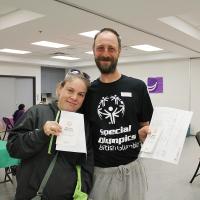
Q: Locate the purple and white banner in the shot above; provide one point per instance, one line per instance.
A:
(155, 84)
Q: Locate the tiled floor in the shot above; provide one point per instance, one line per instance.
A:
(166, 181)
(171, 182)
(7, 189)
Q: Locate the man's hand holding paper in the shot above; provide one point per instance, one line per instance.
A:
(168, 132)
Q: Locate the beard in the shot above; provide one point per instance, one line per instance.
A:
(106, 68)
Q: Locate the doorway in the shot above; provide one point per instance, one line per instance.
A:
(15, 90)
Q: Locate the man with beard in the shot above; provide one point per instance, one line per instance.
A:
(119, 109)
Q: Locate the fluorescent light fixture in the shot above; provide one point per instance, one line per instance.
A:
(90, 34)
(146, 47)
(17, 17)
(65, 58)
(50, 44)
(181, 25)
(14, 51)
(89, 52)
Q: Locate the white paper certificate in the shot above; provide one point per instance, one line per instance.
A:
(168, 132)
(72, 137)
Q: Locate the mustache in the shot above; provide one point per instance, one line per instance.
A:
(102, 58)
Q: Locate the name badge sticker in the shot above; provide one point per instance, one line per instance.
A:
(126, 94)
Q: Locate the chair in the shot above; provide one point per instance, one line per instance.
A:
(9, 125)
(7, 162)
(197, 173)
(7, 177)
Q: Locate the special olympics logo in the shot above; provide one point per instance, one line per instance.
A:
(69, 123)
(155, 84)
(110, 108)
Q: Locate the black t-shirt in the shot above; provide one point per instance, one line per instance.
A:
(115, 110)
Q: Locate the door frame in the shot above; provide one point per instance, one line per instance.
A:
(29, 77)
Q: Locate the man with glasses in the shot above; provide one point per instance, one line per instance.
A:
(119, 109)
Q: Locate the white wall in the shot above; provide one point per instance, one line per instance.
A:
(180, 83)
(23, 70)
(175, 81)
(195, 94)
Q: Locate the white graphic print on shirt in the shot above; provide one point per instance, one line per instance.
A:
(110, 108)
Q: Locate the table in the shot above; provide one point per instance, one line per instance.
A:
(6, 161)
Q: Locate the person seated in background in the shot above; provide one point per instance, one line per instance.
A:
(18, 113)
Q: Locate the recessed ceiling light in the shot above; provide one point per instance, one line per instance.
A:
(181, 25)
(65, 58)
(89, 52)
(90, 34)
(146, 47)
(17, 17)
(49, 44)
(14, 51)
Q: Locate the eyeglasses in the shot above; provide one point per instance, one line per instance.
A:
(76, 71)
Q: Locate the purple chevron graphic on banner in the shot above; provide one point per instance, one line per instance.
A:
(155, 84)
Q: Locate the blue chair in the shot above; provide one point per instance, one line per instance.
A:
(197, 173)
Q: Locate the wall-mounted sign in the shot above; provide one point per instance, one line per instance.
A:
(155, 84)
